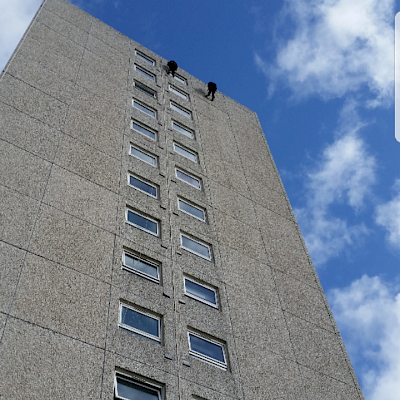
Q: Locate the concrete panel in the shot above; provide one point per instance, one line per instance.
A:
(72, 242)
(318, 349)
(17, 217)
(193, 225)
(42, 364)
(31, 101)
(22, 171)
(302, 300)
(194, 391)
(28, 133)
(107, 52)
(62, 300)
(10, 265)
(3, 319)
(89, 163)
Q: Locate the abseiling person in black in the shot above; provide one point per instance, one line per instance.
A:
(172, 66)
(212, 88)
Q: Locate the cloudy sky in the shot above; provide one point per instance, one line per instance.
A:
(319, 73)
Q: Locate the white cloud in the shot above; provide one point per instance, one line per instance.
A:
(368, 315)
(338, 47)
(388, 215)
(15, 17)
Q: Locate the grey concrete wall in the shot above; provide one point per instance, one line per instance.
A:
(66, 109)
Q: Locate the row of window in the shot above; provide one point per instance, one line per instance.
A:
(152, 93)
(151, 112)
(152, 134)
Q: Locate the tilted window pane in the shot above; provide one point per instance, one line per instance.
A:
(201, 292)
(132, 391)
(142, 222)
(207, 348)
(145, 89)
(144, 109)
(144, 131)
(141, 266)
(188, 179)
(144, 58)
(143, 186)
(178, 92)
(180, 110)
(144, 156)
(180, 79)
(183, 130)
(196, 212)
(185, 153)
(144, 73)
(196, 247)
(140, 322)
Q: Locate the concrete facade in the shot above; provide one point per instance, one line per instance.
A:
(65, 134)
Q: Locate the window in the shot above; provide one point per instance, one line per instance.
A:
(144, 58)
(179, 93)
(141, 322)
(144, 130)
(143, 267)
(145, 89)
(145, 223)
(143, 155)
(201, 292)
(185, 131)
(191, 155)
(180, 110)
(194, 211)
(145, 73)
(144, 109)
(207, 349)
(127, 388)
(185, 177)
(143, 186)
(180, 79)
(196, 247)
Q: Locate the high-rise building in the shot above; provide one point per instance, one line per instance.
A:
(147, 246)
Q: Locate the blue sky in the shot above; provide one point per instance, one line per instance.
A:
(319, 74)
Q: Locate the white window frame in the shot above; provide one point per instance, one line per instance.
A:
(180, 79)
(145, 89)
(144, 260)
(143, 216)
(209, 258)
(146, 128)
(180, 110)
(144, 152)
(143, 57)
(205, 358)
(143, 72)
(216, 305)
(130, 174)
(135, 330)
(190, 133)
(192, 176)
(194, 206)
(193, 153)
(134, 380)
(178, 92)
(146, 107)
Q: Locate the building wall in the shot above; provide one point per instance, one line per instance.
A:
(65, 133)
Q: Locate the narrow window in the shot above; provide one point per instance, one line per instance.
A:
(145, 89)
(180, 79)
(180, 110)
(196, 247)
(144, 130)
(191, 155)
(145, 73)
(145, 223)
(201, 292)
(185, 131)
(145, 268)
(194, 211)
(144, 58)
(207, 349)
(144, 109)
(185, 177)
(143, 155)
(141, 322)
(142, 186)
(127, 388)
(178, 92)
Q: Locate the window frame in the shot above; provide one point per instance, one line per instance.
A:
(184, 148)
(155, 264)
(200, 299)
(144, 152)
(134, 101)
(143, 72)
(183, 111)
(145, 58)
(178, 92)
(145, 89)
(133, 121)
(137, 382)
(192, 205)
(136, 330)
(144, 181)
(205, 358)
(199, 241)
(192, 176)
(190, 134)
(180, 79)
(143, 216)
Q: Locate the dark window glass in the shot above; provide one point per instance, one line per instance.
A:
(196, 247)
(196, 212)
(207, 348)
(142, 222)
(141, 266)
(201, 292)
(144, 73)
(140, 322)
(132, 391)
(145, 89)
(143, 186)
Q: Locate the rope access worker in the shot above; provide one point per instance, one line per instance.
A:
(172, 66)
(212, 88)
